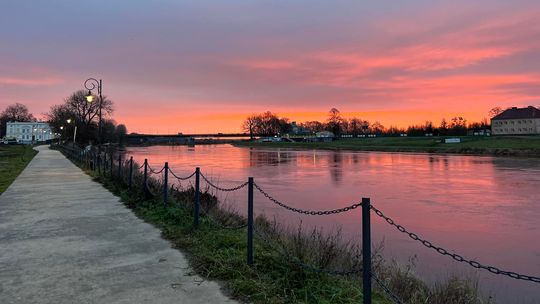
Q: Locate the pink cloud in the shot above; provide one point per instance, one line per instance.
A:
(30, 81)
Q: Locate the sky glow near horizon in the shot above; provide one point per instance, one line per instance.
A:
(202, 66)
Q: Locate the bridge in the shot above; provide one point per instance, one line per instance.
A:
(204, 135)
(186, 139)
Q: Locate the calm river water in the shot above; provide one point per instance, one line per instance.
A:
(484, 208)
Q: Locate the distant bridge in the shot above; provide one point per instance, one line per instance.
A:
(186, 138)
(205, 135)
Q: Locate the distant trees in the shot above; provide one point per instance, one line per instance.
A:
(266, 123)
(334, 122)
(120, 131)
(377, 128)
(14, 112)
(269, 123)
(313, 126)
(356, 126)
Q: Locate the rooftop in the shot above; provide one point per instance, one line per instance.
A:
(518, 113)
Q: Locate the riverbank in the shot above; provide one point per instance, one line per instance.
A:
(525, 146)
(218, 252)
(13, 160)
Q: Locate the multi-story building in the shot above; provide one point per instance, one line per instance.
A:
(29, 132)
(517, 121)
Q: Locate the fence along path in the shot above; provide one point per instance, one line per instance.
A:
(367, 273)
(66, 239)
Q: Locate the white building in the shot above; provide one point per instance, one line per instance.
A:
(516, 121)
(29, 132)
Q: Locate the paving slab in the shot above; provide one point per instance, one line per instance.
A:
(66, 239)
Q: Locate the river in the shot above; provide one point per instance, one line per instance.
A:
(484, 208)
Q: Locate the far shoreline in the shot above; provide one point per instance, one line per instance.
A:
(484, 146)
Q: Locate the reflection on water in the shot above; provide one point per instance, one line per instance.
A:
(485, 208)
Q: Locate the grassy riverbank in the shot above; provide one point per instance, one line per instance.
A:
(13, 160)
(220, 254)
(500, 146)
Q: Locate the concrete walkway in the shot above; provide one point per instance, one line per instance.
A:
(66, 239)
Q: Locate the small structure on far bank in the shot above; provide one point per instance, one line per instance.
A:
(517, 121)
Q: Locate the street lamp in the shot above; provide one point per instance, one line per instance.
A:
(69, 120)
(91, 84)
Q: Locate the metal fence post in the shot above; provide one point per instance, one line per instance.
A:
(197, 198)
(250, 223)
(366, 251)
(98, 163)
(130, 182)
(165, 183)
(145, 189)
(111, 168)
(119, 166)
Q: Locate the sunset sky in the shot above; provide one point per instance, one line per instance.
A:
(201, 66)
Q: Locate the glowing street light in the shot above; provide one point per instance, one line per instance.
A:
(89, 96)
(90, 84)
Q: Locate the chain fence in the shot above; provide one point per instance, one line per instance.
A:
(182, 178)
(308, 212)
(150, 170)
(454, 256)
(221, 188)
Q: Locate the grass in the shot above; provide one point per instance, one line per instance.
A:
(496, 145)
(276, 277)
(13, 160)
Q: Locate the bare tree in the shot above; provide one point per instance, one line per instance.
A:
(495, 111)
(14, 112)
(335, 121)
(83, 114)
(251, 124)
(377, 127)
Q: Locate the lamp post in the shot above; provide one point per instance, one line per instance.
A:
(69, 120)
(91, 84)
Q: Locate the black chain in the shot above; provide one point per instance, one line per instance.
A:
(305, 266)
(309, 212)
(182, 178)
(154, 171)
(223, 189)
(455, 256)
(386, 290)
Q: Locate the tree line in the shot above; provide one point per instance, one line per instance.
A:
(75, 111)
(270, 124)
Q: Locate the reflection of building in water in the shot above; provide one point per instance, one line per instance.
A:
(258, 158)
